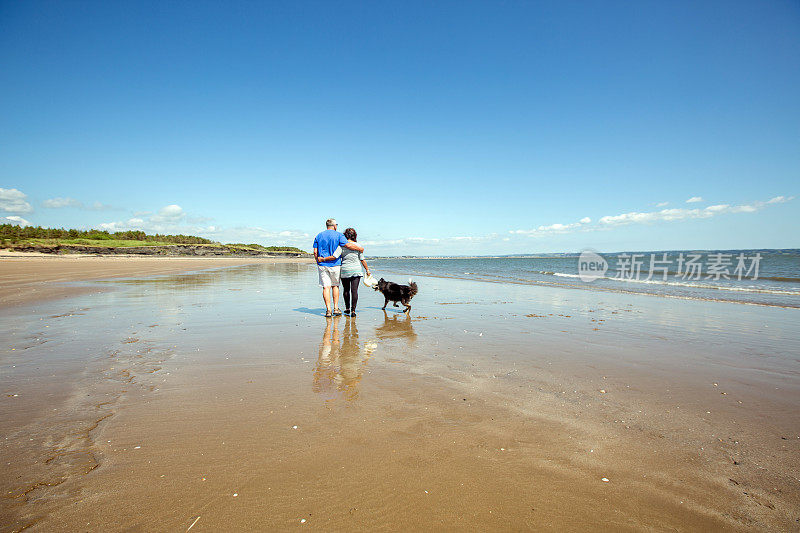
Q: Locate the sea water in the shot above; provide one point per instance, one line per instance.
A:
(776, 282)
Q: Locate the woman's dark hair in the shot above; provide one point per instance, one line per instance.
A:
(350, 234)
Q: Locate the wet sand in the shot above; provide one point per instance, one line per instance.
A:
(27, 277)
(223, 400)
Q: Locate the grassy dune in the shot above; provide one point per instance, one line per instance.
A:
(15, 237)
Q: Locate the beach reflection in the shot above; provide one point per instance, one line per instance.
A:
(396, 325)
(341, 360)
(281, 276)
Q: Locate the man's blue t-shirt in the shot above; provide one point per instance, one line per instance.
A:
(326, 243)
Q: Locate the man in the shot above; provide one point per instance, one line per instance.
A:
(329, 263)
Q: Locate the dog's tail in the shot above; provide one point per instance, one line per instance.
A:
(413, 287)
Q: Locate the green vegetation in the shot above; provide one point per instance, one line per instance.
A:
(95, 242)
(12, 235)
(268, 248)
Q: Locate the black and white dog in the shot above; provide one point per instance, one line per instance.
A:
(397, 293)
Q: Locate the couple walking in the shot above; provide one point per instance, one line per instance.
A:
(339, 259)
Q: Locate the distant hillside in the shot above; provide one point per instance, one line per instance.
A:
(59, 240)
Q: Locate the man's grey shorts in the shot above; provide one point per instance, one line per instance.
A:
(329, 276)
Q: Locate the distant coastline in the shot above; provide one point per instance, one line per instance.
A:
(96, 242)
(168, 250)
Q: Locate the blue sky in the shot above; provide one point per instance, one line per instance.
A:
(431, 127)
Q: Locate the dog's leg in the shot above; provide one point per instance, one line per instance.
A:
(384, 303)
(408, 307)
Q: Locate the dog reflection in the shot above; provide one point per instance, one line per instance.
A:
(341, 360)
(396, 325)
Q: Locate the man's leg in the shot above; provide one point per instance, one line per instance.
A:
(335, 278)
(326, 297)
(335, 291)
(325, 283)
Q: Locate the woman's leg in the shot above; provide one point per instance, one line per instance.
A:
(354, 295)
(346, 291)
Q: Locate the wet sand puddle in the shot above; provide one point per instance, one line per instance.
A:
(507, 408)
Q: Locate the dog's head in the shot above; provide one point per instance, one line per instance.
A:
(382, 283)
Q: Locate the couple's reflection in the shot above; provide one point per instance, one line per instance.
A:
(341, 360)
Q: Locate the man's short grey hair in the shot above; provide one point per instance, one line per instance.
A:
(331, 222)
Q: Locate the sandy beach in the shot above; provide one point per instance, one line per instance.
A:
(211, 394)
(27, 277)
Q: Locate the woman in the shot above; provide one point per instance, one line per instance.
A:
(351, 273)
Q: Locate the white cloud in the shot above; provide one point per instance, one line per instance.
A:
(14, 201)
(148, 226)
(170, 214)
(172, 219)
(429, 241)
(249, 234)
(557, 228)
(97, 206)
(422, 240)
(390, 242)
(13, 219)
(58, 203)
(694, 199)
(133, 223)
(662, 204)
(649, 217)
(780, 200)
(552, 229)
(669, 215)
(168, 219)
